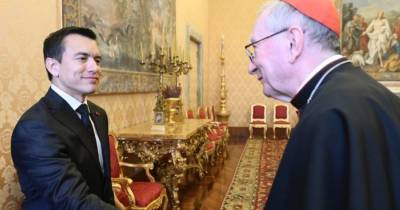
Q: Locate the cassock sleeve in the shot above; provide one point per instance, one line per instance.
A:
(312, 174)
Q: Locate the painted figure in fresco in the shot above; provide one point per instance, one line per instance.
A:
(344, 151)
(348, 11)
(379, 33)
(357, 58)
(393, 46)
(363, 40)
(396, 26)
(392, 64)
(60, 145)
(393, 55)
(108, 19)
(352, 32)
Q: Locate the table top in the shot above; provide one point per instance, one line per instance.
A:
(147, 131)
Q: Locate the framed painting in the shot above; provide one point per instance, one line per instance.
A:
(126, 29)
(371, 36)
(159, 118)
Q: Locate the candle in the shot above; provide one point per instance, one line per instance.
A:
(222, 45)
(162, 36)
(141, 52)
(174, 48)
(153, 47)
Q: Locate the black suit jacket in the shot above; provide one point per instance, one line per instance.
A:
(56, 158)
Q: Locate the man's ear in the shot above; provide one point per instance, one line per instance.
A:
(296, 43)
(53, 66)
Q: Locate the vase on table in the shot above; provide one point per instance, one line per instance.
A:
(170, 105)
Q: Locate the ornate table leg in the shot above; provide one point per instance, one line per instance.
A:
(171, 174)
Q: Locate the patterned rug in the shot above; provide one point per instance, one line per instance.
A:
(254, 175)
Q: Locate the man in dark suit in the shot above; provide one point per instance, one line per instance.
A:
(60, 145)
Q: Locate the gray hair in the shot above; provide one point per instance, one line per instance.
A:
(282, 15)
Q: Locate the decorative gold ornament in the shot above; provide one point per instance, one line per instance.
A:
(165, 61)
(223, 114)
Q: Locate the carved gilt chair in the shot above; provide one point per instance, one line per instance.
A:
(281, 119)
(222, 130)
(134, 195)
(258, 119)
(216, 132)
(202, 112)
(190, 114)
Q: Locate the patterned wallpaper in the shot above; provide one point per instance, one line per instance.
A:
(23, 79)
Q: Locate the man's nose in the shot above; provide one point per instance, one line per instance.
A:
(252, 68)
(93, 65)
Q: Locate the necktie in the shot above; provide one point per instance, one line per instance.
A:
(83, 110)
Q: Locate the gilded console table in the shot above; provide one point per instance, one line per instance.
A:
(173, 151)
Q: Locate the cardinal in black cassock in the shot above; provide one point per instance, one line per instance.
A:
(344, 153)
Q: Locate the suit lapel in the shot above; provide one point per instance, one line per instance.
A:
(63, 112)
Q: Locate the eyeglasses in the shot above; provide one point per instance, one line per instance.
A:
(250, 51)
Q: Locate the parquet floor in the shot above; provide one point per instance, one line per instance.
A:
(203, 196)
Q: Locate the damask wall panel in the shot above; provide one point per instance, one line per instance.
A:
(22, 77)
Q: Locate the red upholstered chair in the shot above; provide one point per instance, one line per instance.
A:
(220, 127)
(210, 148)
(222, 130)
(258, 119)
(215, 137)
(190, 114)
(129, 194)
(281, 118)
(202, 112)
(215, 133)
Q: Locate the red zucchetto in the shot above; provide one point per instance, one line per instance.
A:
(323, 11)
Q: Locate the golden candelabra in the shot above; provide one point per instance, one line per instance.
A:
(163, 62)
(223, 114)
(183, 67)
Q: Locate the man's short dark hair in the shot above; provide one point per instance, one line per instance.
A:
(53, 46)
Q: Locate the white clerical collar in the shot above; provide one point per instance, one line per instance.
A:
(73, 102)
(319, 68)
